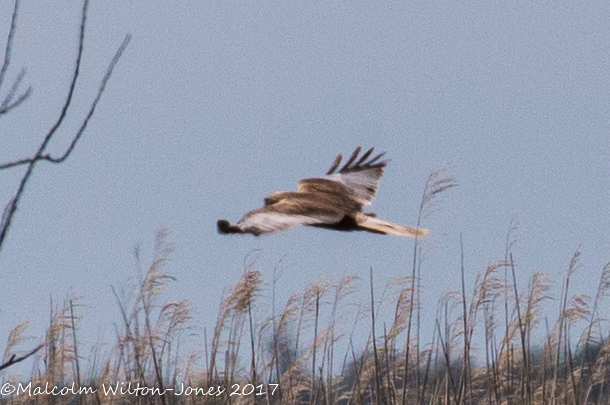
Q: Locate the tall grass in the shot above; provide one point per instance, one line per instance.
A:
(492, 343)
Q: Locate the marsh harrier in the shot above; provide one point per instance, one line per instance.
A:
(334, 201)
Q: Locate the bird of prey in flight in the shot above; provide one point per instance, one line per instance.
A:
(334, 201)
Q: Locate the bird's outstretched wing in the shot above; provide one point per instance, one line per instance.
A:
(283, 215)
(376, 225)
(264, 222)
(357, 180)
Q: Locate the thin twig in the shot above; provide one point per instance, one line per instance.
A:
(14, 360)
(7, 103)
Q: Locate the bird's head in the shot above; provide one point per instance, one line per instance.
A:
(225, 227)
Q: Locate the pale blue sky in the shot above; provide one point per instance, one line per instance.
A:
(216, 104)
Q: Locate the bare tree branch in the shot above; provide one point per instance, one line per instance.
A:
(83, 126)
(111, 66)
(9, 43)
(11, 207)
(15, 360)
(8, 104)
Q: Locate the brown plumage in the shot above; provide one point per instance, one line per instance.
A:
(334, 201)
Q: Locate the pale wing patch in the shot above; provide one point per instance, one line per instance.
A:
(359, 175)
(361, 184)
(269, 222)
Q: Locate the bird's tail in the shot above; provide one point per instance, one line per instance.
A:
(376, 225)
